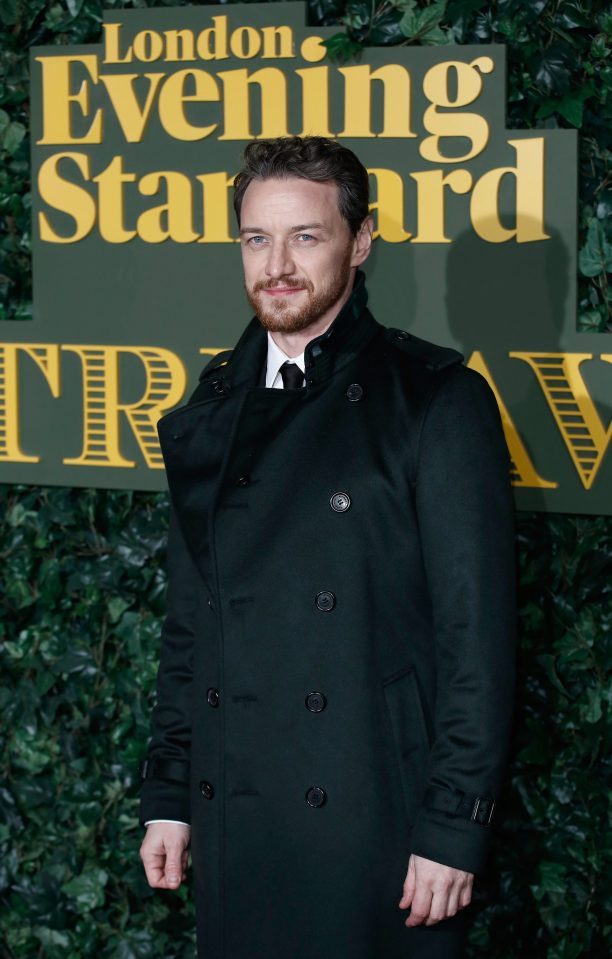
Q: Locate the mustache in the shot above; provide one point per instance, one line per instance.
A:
(290, 282)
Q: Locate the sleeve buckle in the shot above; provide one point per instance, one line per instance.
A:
(476, 808)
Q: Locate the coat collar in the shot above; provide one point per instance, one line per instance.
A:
(348, 333)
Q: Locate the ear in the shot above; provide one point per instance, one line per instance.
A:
(362, 243)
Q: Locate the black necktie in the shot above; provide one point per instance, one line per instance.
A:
(292, 376)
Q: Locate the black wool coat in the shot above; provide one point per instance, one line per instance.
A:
(336, 682)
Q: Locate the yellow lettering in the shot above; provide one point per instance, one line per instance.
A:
(57, 99)
(272, 49)
(46, 358)
(389, 205)
(180, 45)
(173, 97)
(472, 126)
(132, 118)
(358, 101)
(165, 386)
(148, 46)
(430, 201)
(110, 202)
(315, 101)
(176, 212)
(212, 42)
(568, 398)
(522, 470)
(67, 197)
(245, 43)
(312, 49)
(215, 207)
(112, 46)
(236, 105)
(529, 177)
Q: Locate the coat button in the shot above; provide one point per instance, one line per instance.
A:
(315, 796)
(325, 600)
(315, 702)
(402, 335)
(210, 604)
(340, 502)
(355, 392)
(212, 695)
(243, 480)
(218, 386)
(207, 789)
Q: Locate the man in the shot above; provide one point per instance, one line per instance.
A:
(336, 681)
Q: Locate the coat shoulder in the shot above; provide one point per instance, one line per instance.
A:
(219, 359)
(432, 355)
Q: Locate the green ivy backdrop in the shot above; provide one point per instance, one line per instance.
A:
(82, 585)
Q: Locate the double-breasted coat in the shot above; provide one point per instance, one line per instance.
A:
(336, 682)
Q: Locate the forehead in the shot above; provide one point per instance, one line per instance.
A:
(290, 201)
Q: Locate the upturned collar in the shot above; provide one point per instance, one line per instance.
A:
(348, 333)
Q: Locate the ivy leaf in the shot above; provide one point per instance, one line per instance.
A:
(591, 710)
(51, 937)
(552, 74)
(595, 257)
(552, 876)
(424, 24)
(87, 890)
(385, 29)
(341, 47)
(74, 6)
(13, 135)
(570, 107)
(571, 16)
(8, 12)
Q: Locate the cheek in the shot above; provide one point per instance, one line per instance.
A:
(249, 267)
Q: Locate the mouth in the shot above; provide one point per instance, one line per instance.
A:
(283, 291)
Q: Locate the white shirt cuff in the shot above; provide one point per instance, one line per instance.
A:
(177, 821)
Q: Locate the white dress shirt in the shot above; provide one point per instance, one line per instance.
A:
(276, 358)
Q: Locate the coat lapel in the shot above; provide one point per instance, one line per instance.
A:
(214, 438)
(196, 441)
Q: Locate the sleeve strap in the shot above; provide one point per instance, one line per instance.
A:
(175, 770)
(457, 803)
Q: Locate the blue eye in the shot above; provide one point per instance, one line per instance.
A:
(308, 236)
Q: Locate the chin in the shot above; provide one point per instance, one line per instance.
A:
(285, 323)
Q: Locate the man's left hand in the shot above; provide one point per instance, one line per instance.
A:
(434, 891)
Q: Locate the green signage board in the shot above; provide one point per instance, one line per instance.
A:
(137, 272)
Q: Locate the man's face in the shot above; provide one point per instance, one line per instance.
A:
(298, 253)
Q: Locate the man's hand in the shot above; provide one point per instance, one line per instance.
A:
(164, 854)
(434, 891)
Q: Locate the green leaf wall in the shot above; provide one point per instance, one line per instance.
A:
(83, 580)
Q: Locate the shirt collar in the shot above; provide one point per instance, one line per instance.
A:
(276, 358)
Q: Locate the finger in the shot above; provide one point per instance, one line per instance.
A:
(421, 905)
(466, 896)
(154, 868)
(409, 885)
(453, 900)
(174, 868)
(439, 905)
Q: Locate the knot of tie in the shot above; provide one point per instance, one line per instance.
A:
(292, 376)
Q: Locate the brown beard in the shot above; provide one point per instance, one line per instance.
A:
(279, 317)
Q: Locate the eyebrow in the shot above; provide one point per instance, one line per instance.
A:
(293, 229)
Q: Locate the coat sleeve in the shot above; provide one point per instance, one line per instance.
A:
(165, 790)
(466, 521)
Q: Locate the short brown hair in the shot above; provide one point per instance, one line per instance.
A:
(308, 158)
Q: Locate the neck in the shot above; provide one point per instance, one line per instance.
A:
(293, 344)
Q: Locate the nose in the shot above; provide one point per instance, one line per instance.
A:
(279, 262)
